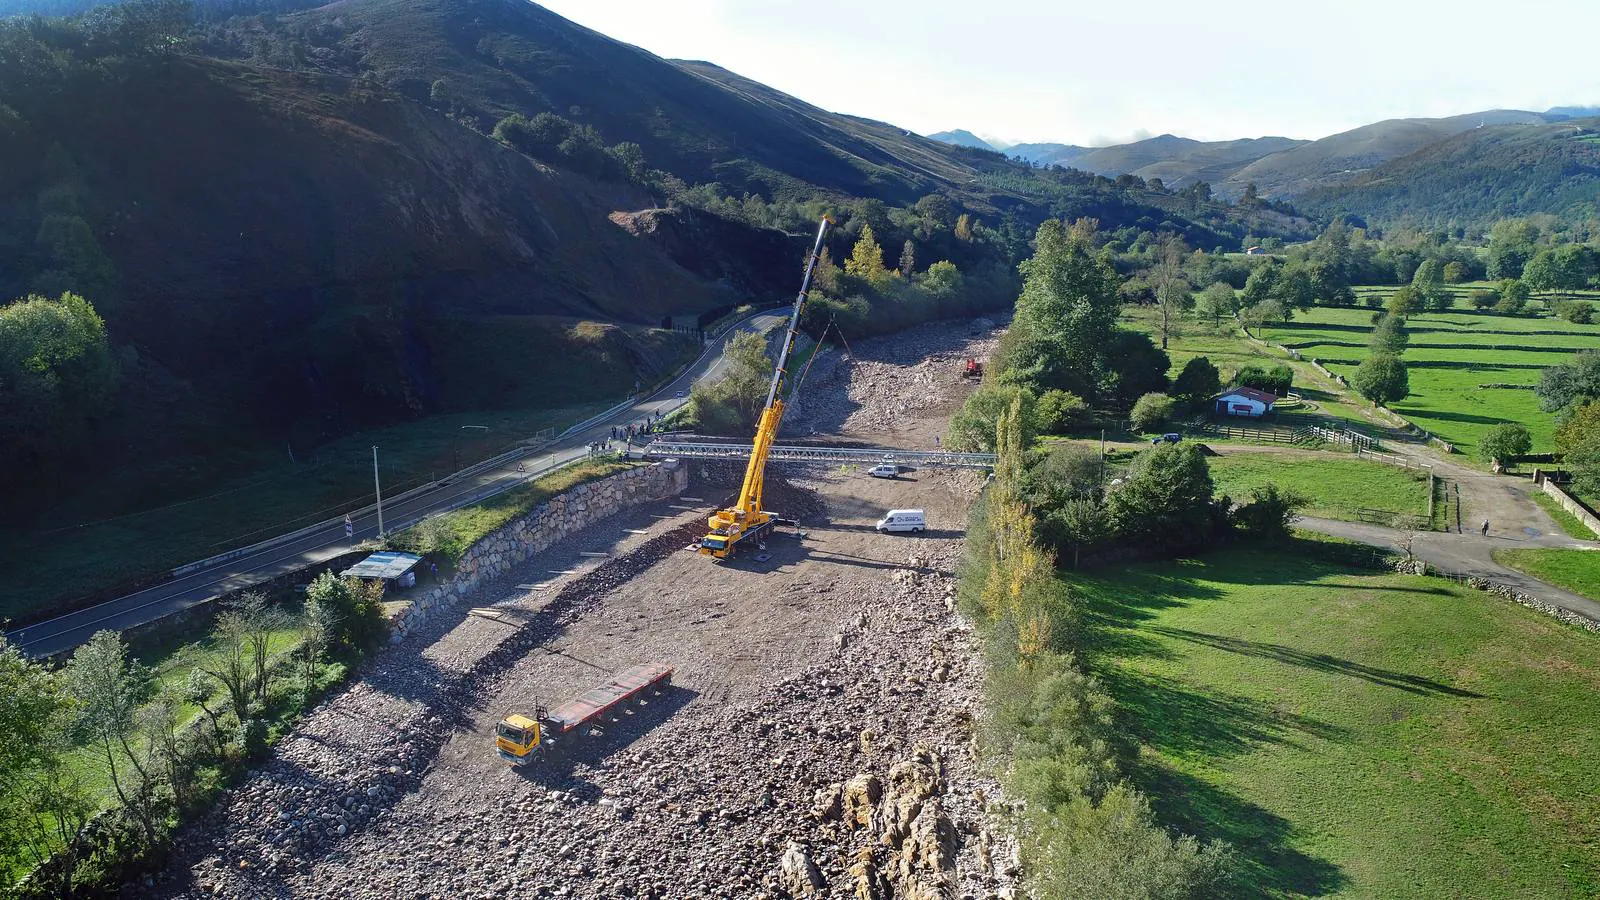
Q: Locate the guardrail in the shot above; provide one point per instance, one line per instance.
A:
(921, 458)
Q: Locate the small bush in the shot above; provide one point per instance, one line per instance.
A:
(1061, 411)
(1270, 513)
(1151, 412)
(355, 607)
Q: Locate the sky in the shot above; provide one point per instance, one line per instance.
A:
(1108, 72)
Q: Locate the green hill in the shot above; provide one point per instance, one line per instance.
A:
(1478, 177)
(1337, 158)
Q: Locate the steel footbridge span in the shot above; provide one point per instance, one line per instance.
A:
(921, 459)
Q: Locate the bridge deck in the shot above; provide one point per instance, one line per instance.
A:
(919, 458)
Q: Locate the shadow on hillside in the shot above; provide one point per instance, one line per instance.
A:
(1451, 416)
(1320, 662)
(1267, 864)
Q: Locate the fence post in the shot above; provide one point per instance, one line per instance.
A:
(1431, 489)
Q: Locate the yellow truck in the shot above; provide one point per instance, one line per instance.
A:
(517, 736)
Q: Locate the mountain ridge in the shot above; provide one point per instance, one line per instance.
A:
(1277, 166)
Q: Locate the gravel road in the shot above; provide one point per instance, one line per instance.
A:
(816, 739)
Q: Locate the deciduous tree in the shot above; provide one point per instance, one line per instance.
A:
(108, 687)
(1382, 378)
(1505, 442)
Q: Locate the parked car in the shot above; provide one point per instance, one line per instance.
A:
(884, 470)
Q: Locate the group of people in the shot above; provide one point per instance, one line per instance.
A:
(651, 424)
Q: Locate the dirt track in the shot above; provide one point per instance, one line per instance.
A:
(817, 736)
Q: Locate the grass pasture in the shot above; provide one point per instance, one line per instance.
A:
(1453, 359)
(1339, 487)
(1351, 733)
(1576, 570)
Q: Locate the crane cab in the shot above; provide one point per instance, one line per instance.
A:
(516, 737)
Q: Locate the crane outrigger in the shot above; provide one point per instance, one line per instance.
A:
(746, 524)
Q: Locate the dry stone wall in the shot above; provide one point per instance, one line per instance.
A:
(537, 530)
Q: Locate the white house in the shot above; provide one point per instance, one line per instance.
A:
(1244, 401)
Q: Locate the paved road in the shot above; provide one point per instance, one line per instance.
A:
(1469, 554)
(328, 540)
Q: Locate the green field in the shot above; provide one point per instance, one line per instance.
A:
(1338, 487)
(1451, 357)
(1229, 351)
(1356, 734)
(1576, 570)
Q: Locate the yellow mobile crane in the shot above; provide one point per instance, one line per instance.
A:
(746, 524)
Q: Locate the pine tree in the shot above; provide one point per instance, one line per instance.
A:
(908, 259)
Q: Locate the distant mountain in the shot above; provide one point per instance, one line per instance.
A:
(1048, 154)
(1478, 176)
(962, 138)
(1342, 156)
(1572, 112)
(1180, 161)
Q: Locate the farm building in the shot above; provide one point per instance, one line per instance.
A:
(1245, 401)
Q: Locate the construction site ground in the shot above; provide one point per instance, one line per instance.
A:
(816, 738)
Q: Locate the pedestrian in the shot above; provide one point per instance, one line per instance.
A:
(1485, 527)
(936, 442)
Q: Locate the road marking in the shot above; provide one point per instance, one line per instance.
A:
(695, 499)
(671, 506)
(535, 587)
(563, 571)
(593, 553)
(637, 530)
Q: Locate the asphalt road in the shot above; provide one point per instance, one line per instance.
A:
(328, 540)
(1469, 554)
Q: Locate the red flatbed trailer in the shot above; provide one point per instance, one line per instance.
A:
(597, 702)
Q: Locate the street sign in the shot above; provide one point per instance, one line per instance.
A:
(349, 528)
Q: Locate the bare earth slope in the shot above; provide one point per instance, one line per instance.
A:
(818, 730)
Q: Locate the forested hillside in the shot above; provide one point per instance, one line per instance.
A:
(1478, 177)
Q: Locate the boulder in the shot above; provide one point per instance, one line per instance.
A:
(861, 795)
(798, 874)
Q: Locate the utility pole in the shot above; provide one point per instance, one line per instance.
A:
(377, 488)
(455, 453)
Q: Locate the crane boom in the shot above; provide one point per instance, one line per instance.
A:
(746, 520)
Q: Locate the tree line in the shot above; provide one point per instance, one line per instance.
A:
(168, 744)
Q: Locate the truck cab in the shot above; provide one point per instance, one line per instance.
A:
(516, 737)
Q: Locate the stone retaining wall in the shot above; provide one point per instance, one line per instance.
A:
(1568, 502)
(537, 530)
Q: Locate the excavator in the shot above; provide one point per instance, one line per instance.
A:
(746, 524)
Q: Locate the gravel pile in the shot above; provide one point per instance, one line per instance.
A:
(889, 380)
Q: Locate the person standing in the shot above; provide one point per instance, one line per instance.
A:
(1485, 527)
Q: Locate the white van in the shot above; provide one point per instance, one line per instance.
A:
(903, 520)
